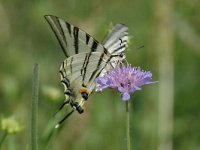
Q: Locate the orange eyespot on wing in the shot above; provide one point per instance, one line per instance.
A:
(84, 90)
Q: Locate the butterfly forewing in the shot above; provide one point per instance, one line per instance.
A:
(72, 39)
(116, 41)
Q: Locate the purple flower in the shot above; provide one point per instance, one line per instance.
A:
(126, 79)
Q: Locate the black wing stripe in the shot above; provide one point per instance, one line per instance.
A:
(63, 67)
(62, 74)
(61, 31)
(119, 48)
(85, 60)
(105, 51)
(66, 83)
(105, 65)
(62, 70)
(68, 92)
(76, 40)
(85, 68)
(94, 46)
(87, 38)
(96, 73)
(97, 68)
(71, 64)
(69, 29)
(55, 26)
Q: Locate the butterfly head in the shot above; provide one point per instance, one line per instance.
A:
(122, 56)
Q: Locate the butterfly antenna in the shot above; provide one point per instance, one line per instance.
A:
(141, 46)
(61, 121)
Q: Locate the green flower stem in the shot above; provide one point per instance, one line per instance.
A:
(34, 118)
(128, 137)
(3, 138)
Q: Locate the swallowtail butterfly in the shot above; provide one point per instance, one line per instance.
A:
(86, 59)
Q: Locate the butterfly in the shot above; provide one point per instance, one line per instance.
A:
(86, 59)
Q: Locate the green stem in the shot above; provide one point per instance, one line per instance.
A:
(34, 138)
(3, 138)
(128, 137)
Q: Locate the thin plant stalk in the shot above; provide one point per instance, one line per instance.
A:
(128, 136)
(34, 118)
(3, 138)
(12, 143)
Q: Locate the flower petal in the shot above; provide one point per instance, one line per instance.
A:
(125, 96)
(101, 80)
(121, 89)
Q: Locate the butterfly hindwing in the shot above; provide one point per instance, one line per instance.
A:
(80, 71)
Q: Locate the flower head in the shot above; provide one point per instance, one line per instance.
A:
(10, 125)
(126, 79)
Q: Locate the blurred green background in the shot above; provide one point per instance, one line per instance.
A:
(164, 116)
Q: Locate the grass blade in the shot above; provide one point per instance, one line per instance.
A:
(34, 116)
